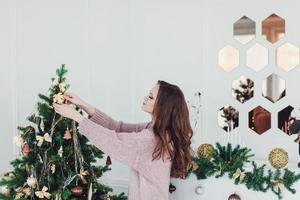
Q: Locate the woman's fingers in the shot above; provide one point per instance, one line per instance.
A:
(68, 96)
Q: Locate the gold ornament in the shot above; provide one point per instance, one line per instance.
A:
(55, 83)
(206, 151)
(27, 191)
(62, 87)
(77, 190)
(58, 98)
(193, 166)
(234, 197)
(41, 139)
(239, 173)
(278, 158)
(277, 186)
(82, 175)
(19, 195)
(43, 193)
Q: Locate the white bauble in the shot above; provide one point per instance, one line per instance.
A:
(199, 190)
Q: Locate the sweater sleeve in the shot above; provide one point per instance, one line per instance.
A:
(124, 147)
(104, 120)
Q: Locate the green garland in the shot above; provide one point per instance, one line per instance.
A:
(225, 159)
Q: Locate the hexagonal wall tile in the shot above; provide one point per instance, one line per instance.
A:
(259, 120)
(284, 119)
(257, 57)
(244, 30)
(229, 58)
(273, 28)
(273, 88)
(287, 56)
(228, 118)
(242, 89)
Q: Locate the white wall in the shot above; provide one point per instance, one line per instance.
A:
(116, 50)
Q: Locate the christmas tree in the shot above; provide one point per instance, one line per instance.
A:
(57, 162)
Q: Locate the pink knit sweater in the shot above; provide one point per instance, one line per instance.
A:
(133, 145)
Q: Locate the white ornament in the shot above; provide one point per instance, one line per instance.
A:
(58, 98)
(18, 140)
(53, 168)
(60, 151)
(42, 125)
(31, 181)
(199, 190)
(19, 195)
(27, 192)
(4, 190)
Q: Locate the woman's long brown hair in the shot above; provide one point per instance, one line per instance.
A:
(172, 128)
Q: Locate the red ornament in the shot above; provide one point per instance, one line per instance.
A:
(77, 190)
(67, 135)
(25, 149)
(234, 197)
(108, 160)
(172, 188)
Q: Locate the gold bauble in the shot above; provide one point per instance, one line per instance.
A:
(206, 151)
(278, 158)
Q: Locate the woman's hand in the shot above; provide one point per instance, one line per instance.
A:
(68, 111)
(73, 98)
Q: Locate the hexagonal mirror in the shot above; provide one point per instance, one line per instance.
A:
(242, 89)
(287, 56)
(294, 124)
(284, 119)
(229, 58)
(257, 57)
(244, 30)
(273, 28)
(259, 120)
(273, 88)
(228, 118)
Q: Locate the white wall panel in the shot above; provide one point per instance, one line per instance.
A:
(115, 52)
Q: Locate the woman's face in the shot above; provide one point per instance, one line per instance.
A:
(150, 99)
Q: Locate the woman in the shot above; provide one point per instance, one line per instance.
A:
(153, 150)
